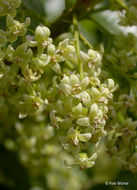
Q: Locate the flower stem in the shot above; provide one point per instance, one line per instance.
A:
(85, 41)
(77, 45)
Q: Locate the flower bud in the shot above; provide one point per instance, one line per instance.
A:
(95, 81)
(85, 137)
(69, 49)
(105, 109)
(42, 33)
(56, 67)
(84, 57)
(100, 114)
(65, 80)
(8, 7)
(71, 131)
(83, 121)
(93, 110)
(27, 22)
(23, 53)
(65, 88)
(93, 157)
(9, 53)
(83, 156)
(78, 109)
(105, 92)
(43, 60)
(22, 115)
(95, 92)
(63, 44)
(21, 50)
(85, 98)
(53, 117)
(74, 79)
(3, 37)
(84, 83)
(110, 84)
(51, 50)
(85, 162)
(94, 55)
(16, 28)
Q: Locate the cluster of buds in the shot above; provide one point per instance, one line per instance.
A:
(122, 136)
(122, 143)
(123, 53)
(43, 82)
(129, 16)
(9, 7)
(78, 106)
(41, 153)
(14, 30)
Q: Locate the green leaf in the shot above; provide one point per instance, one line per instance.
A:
(54, 9)
(109, 21)
(89, 30)
(36, 6)
(69, 3)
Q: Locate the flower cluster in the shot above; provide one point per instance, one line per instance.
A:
(121, 140)
(80, 111)
(9, 7)
(129, 15)
(43, 82)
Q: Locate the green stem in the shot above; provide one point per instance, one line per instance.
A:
(85, 41)
(122, 4)
(69, 65)
(30, 30)
(77, 45)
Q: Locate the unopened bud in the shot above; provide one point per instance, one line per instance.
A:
(93, 157)
(84, 57)
(63, 44)
(83, 121)
(84, 83)
(74, 80)
(94, 55)
(65, 88)
(110, 84)
(8, 7)
(95, 92)
(42, 33)
(100, 114)
(105, 92)
(70, 49)
(78, 109)
(56, 67)
(85, 137)
(85, 98)
(93, 110)
(51, 49)
(65, 80)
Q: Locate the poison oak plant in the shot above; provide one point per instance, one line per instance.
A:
(56, 103)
